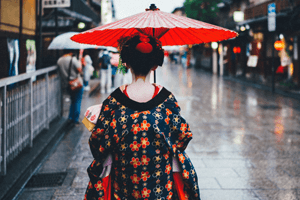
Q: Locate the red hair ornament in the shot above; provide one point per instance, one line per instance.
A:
(144, 46)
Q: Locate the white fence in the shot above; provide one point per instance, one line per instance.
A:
(26, 108)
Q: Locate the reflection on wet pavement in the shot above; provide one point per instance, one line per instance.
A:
(246, 142)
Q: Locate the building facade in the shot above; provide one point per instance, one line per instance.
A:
(20, 30)
(17, 36)
(81, 15)
(252, 54)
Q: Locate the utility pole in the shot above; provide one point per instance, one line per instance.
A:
(273, 67)
(40, 49)
(272, 28)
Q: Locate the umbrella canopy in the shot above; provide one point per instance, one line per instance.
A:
(170, 29)
(63, 41)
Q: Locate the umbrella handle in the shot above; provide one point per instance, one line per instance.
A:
(153, 30)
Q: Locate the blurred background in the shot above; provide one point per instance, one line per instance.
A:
(28, 27)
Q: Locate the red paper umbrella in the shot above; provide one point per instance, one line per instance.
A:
(170, 29)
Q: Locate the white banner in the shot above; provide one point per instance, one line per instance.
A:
(272, 17)
(252, 61)
(56, 3)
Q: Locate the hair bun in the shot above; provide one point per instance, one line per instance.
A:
(141, 52)
(144, 46)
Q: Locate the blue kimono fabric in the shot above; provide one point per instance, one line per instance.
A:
(142, 138)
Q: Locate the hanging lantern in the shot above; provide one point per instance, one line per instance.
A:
(236, 49)
(258, 45)
(279, 45)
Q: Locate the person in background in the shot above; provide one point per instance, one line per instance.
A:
(166, 58)
(119, 77)
(75, 70)
(114, 61)
(105, 72)
(88, 70)
(184, 59)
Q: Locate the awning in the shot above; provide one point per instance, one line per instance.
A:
(82, 7)
(260, 19)
(96, 3)
(61, 23)
(75, 15)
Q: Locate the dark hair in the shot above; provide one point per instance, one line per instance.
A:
(141, 63)
(86, 52)
(73, 51)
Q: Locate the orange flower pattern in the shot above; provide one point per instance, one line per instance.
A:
(142, 144)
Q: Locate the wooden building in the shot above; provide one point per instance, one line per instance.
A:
(17, 26)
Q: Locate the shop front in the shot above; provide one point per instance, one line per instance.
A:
(17, 37)
(267, 57)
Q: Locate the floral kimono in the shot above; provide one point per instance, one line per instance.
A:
(143, 139)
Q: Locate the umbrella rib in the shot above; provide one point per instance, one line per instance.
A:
(133, 23)
(179, 36)
(193, 33)
(122, 32)
(144, 20)
(141, 22)
(125, 23)
(213, 34)
(175, 20)
(112, 34)
(169, 21)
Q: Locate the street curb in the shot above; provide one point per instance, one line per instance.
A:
(28, 162)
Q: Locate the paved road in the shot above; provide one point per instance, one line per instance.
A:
(246, 143)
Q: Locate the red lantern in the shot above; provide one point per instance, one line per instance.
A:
(236, 49)
(279, 45)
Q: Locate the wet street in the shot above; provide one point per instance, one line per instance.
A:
(246, 141)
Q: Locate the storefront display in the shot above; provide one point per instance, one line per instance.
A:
(31, 57)
(14, 54)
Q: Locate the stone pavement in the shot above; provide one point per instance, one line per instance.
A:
(246, 143)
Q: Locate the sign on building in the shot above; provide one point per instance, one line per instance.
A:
(56, 3)
(272, 17)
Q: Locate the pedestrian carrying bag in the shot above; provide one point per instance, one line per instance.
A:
(75, 84)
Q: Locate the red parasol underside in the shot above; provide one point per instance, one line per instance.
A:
(169, 28)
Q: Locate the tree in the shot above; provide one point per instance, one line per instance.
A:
(203, 10)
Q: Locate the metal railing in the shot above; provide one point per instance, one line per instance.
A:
(26, 108)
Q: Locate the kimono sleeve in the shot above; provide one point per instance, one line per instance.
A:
(101, 138)
(180, 134)
(100, 142)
